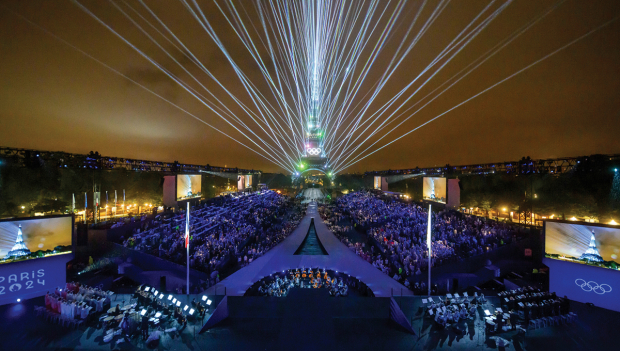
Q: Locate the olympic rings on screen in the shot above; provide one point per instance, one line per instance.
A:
(593, 286)
(314, 151)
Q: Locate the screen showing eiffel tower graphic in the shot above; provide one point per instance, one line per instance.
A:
(586, 244)
(189, 186)
(34, 238)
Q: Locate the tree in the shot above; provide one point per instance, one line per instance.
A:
(488, 201)
(614, 193)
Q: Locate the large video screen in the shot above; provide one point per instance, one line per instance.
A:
(434, 189)
(189, 186)
(33, 238)
(584, 244)
(240, 183)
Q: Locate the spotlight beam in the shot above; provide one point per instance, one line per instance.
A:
(490, 87)
(115, 71)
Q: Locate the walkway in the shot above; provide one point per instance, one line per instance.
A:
(311, 244)
(339, 258)
(313, 194)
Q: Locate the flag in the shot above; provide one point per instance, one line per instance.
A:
(187, 227)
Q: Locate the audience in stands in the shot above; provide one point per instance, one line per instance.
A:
(228, 231)
(398, 231)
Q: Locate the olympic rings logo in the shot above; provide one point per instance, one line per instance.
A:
(314, 151)
(593, 286)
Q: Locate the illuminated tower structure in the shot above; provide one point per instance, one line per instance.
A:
(432, 181)
(19, 249)
(591, 253)
(314, 156)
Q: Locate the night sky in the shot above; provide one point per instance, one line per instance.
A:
(53, 97)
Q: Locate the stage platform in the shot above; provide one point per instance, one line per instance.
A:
(310, 320)
(282, 257)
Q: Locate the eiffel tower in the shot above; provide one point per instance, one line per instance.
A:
(19, 249)
(314, 154)
(591, 253)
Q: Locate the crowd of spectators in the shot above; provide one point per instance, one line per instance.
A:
(397, 233)
(232, 230)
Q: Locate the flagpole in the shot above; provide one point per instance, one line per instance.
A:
(428, 244)
(85, 206)
(187, 246)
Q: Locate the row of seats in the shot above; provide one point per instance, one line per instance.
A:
(557, 320)
(58, 318)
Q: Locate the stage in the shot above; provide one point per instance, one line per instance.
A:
(282, 257)
(311, 320)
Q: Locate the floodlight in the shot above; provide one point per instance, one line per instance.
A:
(178, 303)
(204, 297)
(209, 302)
(169, 297)
(143, 312)
(191, 312)
(147, 288)
(161, 296)
(158, 314)
(174, 300)
(487, 312)
(19, 300)
(185, 308)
